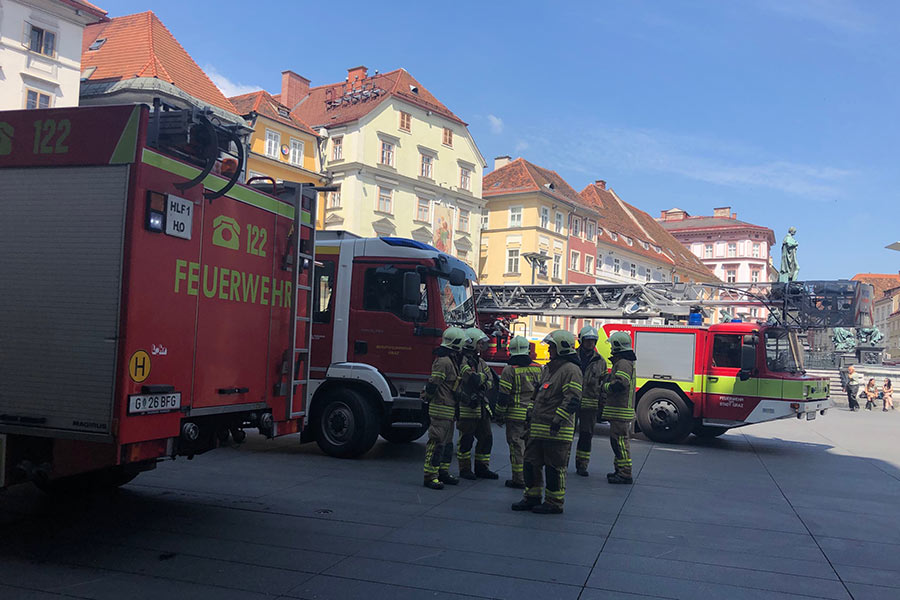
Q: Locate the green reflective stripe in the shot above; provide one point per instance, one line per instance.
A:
(582, 454)
(573, 385)
(517, 413)
(438, 375)
(506, 385)
(441, 412)
(621, 414)
(589, 404)
(562, 413)
(624, 374)
(469, 413)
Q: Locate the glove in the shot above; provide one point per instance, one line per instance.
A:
(555, 424)
(617, 386)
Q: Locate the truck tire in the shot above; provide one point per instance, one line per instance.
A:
(402, 435)
(346, 424)
(708, 431)
(106, 479)
(664, 417)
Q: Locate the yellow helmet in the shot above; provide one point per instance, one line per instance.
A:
(453, 338)
(519, 346)
(563, 340)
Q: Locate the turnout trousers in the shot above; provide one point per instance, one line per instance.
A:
(515, 439)
(619, 439)
(477, 432)
(587, 417)
(546, 457)
(439, 447)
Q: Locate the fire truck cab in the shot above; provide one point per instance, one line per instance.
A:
(707, 380)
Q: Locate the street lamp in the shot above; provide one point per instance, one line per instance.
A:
(535, 259)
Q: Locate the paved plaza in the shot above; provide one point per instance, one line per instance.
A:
(782, 510)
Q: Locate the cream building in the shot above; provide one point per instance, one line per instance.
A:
(405, 164)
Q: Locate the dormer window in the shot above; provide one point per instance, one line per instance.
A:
(96, 44)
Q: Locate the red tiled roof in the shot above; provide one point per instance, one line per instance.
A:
(314, 108)
(264, 104)
(622, 218)
(141, 46)
(880, 281)
(712, 223)
(523, 176)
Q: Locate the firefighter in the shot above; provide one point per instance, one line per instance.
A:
(593, 368)
(441, 395)
(474, 423)
(618, 388)
(552, 427)
(520, 377)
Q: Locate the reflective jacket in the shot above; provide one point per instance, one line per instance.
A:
(593, 373)
(557, 397)
(618, 386)
(517, 385)
(477, 380)
(440, 391)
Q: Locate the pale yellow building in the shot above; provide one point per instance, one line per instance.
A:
(405, 164)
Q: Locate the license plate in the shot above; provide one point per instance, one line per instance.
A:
(810, 416)
(153, 403)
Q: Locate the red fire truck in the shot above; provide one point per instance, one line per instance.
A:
(153, 307)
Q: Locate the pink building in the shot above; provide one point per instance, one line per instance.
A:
(736, 251)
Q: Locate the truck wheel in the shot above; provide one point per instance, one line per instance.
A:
(346, 425)
(402, 435)
(708, 431)
(664, 417)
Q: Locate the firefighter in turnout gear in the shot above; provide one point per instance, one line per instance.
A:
(441, 393)
(520, 377)
(593, 368)
(476, 381)
(618, 387)
(552, 427)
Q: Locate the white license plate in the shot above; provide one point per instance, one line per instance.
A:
(810, 416)
(153, 403)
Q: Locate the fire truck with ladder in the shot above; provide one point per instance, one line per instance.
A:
(155, 307)
(699, 379)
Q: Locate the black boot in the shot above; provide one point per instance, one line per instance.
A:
(547, 509)
(582, 471)
(526, 503)
(482, 472)
(447, 478)
(433, 484)
(512, 483)
(467, 474)
(616, 478)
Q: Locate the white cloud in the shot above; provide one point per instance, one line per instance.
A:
(838, 15)
(496, 124)
(228, 87)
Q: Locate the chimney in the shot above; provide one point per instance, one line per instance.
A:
(501, 161)
(601, 183)
(723, 212)
(356, 75)
(734, 215)
(294, 88)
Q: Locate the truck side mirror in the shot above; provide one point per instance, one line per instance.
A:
(748, 361)
(411, 312)
(412, 288)
(457, 277)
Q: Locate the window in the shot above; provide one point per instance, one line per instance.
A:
(648, 274)
(726, 352)
(296, 152)
(36, 100)
(542, 266)
(334, 199)
(322, 291)
(465, 178)
(41, 40)
(545, 217)
(576, 227)
(484, 220)
(557, 266)
(405, 121)
(515, 216)
(756, 249)
(632, 270)
(576, 257)
(462, 255)
(599, 262)
(732, 249)
(779, 356)
(708, 251)
(591, 230)
(448, 137)
(427, 164)
(554, 321)
(676, 278)
(387, 154)
(382, 291)
(463, 220)
(512, 260)
(273, 141)
(337, 148)
(558, 222)
(613, 236)
(588, 263)
(617, 267)
(754, 312)
(424, 210)
(730, 276)
(754, 276)
(385, 196)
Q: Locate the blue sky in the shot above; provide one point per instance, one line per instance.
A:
(785, 110)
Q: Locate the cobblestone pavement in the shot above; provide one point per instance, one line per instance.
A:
(782, 510)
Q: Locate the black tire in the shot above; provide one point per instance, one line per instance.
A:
(664, 417)
(402, 435)
(708, 431)
(103, 480)
(346, 424)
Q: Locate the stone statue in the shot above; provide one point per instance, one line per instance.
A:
(843, 339)
(869, 336)
(789, 267)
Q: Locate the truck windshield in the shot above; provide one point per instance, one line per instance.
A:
(780, 355)
(458, 303)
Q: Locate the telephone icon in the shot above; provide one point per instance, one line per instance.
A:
(226, 233)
